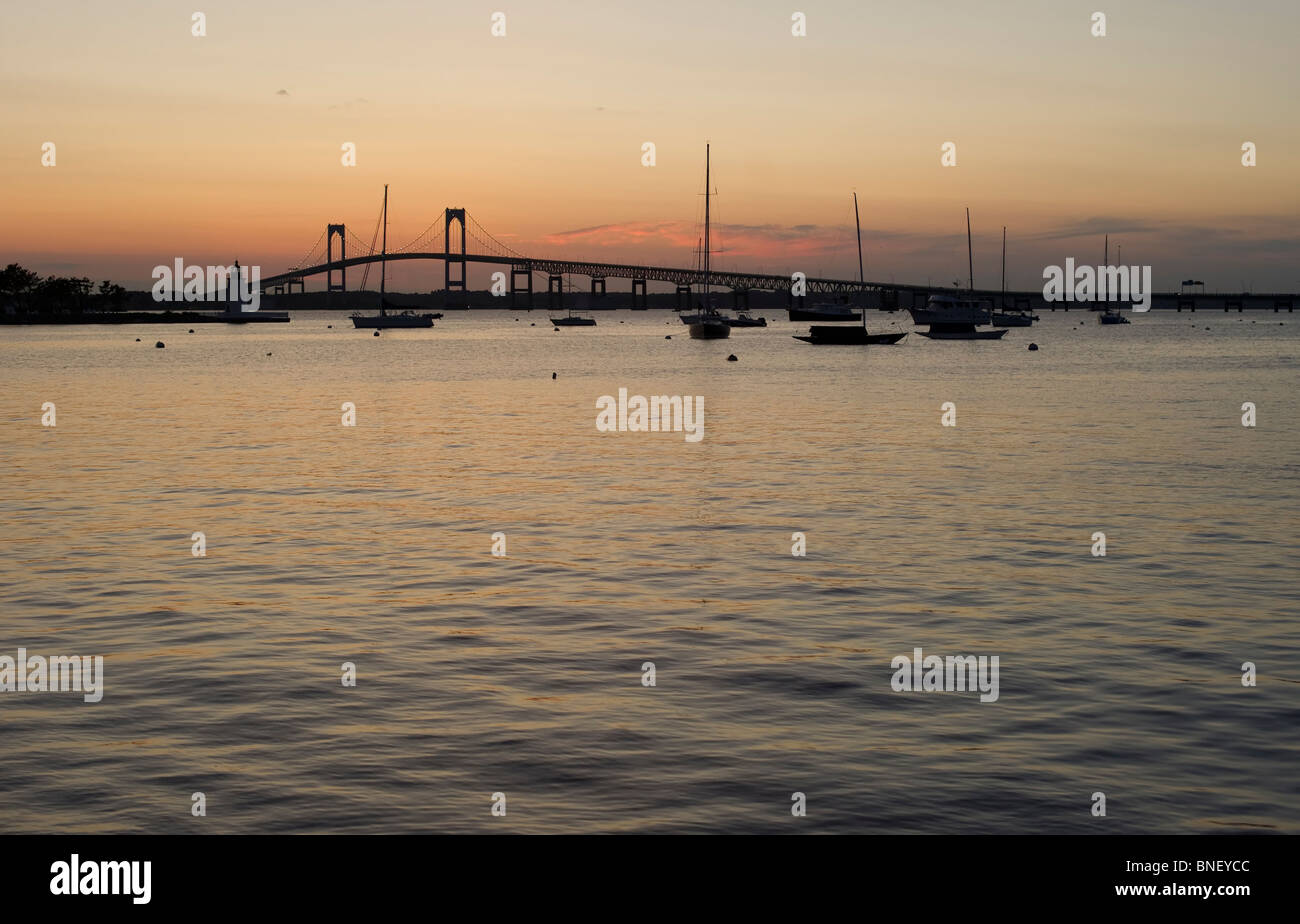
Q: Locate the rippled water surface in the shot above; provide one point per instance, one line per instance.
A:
(523, 675)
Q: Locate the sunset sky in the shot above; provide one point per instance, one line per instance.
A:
(228, 146)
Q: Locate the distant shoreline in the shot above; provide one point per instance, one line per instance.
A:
(118, 317)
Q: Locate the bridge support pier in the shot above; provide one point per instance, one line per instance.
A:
(683, 296)
(740, 299)
(341, 231)
(1189, 303)
(639, 283)
(456, 280)
(554, 291)
(526, 288)
(598, 285)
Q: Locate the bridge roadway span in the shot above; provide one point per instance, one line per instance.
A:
(681, 277)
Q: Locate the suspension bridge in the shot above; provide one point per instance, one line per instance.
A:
(459, 228)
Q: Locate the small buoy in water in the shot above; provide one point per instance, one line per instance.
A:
(1033, 346)
(732, 358)
(668, 337)
(329, 326)
(191, 330)
(376, 333)
(268, 354)
(554, 375)
(159, 345)
(1207, 328)
(137, 339)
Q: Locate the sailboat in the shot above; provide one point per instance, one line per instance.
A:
(1110, 312)
(825, 311)
(953, 317)
(821, 334)
(1002, 317)
(382, 320)
(574, 320)
(708, 323)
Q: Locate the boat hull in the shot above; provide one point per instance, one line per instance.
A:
(848, 336)
(1012, 320)
(948, 315)
(391, 321)
(956, 334)
(747, 322)
(253, 317)
(814, 314)
(710, 330)
(574, 322)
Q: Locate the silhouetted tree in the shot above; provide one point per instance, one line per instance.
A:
(16, 285)
(111, 297)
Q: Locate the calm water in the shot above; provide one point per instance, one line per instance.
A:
(522, 674)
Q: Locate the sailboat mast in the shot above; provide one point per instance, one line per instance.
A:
(861, 276)
(1004, 266)
(970, 260)
(383, 253)
(858, 222)
(707, 245)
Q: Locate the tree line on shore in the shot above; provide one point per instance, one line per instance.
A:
(23, 291)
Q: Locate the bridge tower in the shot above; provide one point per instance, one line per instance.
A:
(458, 282)
(526, 271)
(330, 231)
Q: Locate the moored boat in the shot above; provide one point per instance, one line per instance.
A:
(824, 334)
(709, 324)
(574, 320)
(384, 320)
(1012, 319)
(954, 317)
(825, 312)
(827, 334)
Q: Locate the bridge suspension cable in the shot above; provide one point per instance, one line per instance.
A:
(365, 274)
(495, 247)
(307, 260)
